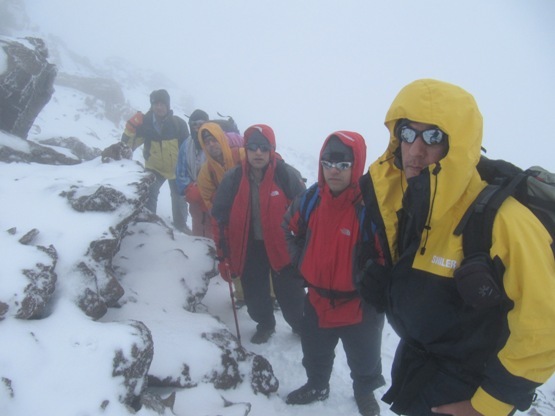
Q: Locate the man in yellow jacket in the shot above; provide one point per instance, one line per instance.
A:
(453, 357)
(161, 133)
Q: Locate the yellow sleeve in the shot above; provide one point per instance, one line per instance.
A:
(529, 281)
(206, 186)
(488, 405)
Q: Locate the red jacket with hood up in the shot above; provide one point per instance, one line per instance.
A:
(232, 207)
(324, 248)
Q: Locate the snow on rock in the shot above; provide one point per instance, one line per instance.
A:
(26, 84)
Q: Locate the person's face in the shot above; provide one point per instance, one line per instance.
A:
(195, 125)
(337, 179)
(258, 156)
(212, 146)
(418, 155)
(160, 110)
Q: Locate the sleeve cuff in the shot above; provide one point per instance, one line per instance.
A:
(489, 405)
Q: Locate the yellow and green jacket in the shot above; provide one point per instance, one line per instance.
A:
(160, 148)
(494, 357)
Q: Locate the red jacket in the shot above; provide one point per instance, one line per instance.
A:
(232, 208)
(324, 248)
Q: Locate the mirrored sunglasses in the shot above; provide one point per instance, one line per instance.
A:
(255, 146)
(338, 165)
(431, 136)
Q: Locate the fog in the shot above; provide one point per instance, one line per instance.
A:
(310, 67)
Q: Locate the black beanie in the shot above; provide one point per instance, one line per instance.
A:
(337, 151)
(198, 115)
(160, 96)
(256, 137)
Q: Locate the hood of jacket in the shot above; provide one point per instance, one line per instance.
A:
(268, 133)
(216, 131)
(356, 142)
(454, 180)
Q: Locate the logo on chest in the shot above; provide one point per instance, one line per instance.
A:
(443, 262)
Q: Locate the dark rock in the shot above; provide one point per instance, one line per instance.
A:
(184, 381)
(92, 304)
(27, 84)
(103, 250)
(156, 403)
(262, 376)
(76, 146)
(261, 373)
(6, 383)
(134, 367)
(27, 152)
(28, 238)
(104, 199)
(39, 291)
(101, 292)
(111, 291)
(4, 307)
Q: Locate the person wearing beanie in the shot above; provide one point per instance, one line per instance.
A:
(191, 157)
(323, 227)
(248, 209)
(161, 134)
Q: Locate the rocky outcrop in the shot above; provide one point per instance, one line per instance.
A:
(26, 85)
(37, 282)
(133, 365)
(51, 153)
(259, 370)
(80, 150)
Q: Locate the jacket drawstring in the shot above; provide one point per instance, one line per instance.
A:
(428, 227)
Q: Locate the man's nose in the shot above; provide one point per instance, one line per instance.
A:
(418, 147)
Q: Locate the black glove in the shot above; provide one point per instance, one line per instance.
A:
(372, 285)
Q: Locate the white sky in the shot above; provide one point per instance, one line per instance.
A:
(309, 68)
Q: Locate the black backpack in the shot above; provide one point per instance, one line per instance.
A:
(227, 124)
(479, 277)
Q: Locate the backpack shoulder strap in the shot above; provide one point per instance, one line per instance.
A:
(308, 202)
(476, 226)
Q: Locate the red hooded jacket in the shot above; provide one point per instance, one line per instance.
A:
(232, 207)
(326, 245)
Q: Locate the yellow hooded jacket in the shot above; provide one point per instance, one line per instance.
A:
(212, 172)
(527, 350)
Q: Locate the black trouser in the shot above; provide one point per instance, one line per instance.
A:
(288, 289)
(362, 343)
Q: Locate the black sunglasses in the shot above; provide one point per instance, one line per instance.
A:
(338, 165)
(255, 146)
(431, 136)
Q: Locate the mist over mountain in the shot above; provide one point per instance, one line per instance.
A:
(105, 309)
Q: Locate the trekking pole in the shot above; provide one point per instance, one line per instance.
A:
(227, 271)
(228, 278)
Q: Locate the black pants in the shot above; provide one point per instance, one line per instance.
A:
(362, 343)
(288, 289)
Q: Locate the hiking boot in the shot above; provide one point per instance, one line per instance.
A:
(262, 336)
(307, 394)
(367, 404)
